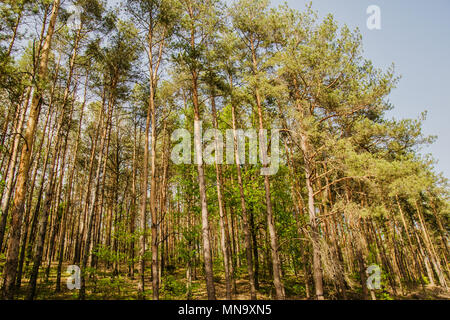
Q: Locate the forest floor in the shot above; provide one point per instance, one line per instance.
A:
(107, 286)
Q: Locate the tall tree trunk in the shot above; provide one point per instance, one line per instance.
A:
(51, 187)
(93, 202)
(68, 200)
(276, 264)
(29, 219)
(133, 206)
(6, 196)
(209, 273)
(202, 189)
(246, 227)
(10, 268)
(223, 219)
(153, 209)
(430, 248)
(60, 149)
(143, 210)
(317, 265)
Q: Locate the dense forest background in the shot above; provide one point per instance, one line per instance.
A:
(90, 94)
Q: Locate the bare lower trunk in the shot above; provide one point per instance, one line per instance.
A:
(247, 235)
(6, 196)
(153, 209)
(67, 207)
(10, 268)
(93, 202)
(143, 211)
(317, 267)
(276, 264)
(203, 201)
(223, 220)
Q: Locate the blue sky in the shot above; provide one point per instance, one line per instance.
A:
(415, 36)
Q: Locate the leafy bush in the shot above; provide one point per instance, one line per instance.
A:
(172, 288)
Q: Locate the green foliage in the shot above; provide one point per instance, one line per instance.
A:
(172, 288)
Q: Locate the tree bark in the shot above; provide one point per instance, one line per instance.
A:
(10, 269)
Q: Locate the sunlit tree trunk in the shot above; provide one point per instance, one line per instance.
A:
(246, 227)
(276, 264)
(10, 269)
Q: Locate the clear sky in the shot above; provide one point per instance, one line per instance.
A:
(415, 36)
